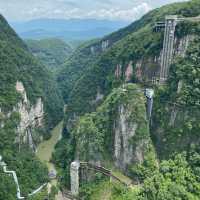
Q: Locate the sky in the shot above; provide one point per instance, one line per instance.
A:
(128, 10)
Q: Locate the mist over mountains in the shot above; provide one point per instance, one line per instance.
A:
(72, 29)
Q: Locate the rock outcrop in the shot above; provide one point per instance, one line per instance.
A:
(182, 45)
(119, 128)
(129, 71)
(130, 130)
(124, 133)
(147, 69)
(31, 116)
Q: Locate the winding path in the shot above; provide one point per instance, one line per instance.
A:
(4, 165)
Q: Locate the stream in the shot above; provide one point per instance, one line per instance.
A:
(44, 153)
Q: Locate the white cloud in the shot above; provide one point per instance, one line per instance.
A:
(102, 9)
(133, 13)
(122, 14)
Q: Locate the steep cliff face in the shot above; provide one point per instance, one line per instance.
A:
(119, 128)
(31, 117)
(88, 55)
(116, 126)
(26, 85)
(124, 131)
(147, 69)
(133, 55)
(30, 106)
(176, 109)
(144, 69)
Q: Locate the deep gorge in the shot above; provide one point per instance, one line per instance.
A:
(98, 91)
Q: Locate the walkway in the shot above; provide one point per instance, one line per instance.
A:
(106, 172)
(13, 173)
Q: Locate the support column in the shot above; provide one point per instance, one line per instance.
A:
(74, 175)
(149, 94)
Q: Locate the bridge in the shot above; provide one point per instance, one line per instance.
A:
(169, 25)
(77, 165)
(103, 171)
(75, 177)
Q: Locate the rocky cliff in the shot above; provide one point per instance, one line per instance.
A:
(119, 128)
(30, 105)
(115, 125)
(179, 101)
(31, 117)
(124, 131)
(139, 62)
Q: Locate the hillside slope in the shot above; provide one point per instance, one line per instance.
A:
(51, 52)
(129, 43)
(133, 55)
(135, 58)
(89, 53)
(95, 66)
(30, 106)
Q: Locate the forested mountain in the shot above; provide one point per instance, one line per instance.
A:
(52, 52)
(105, 115)
(30, 105)
(108, 124)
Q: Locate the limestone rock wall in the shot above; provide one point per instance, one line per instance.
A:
(146, 69)
(31, 116)
(130, 132)
(182, 45)
(124, 132)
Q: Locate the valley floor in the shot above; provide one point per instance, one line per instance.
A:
(45, 150)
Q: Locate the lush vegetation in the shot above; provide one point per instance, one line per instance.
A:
(169, 169)
(73, 68)
(52, 52)
(96, 69)
(87, 73)
(175, 122)
(134, 43)
(93, 135)
(63, 156)
(17, 64)
(7, 187)
(94, 132)
(180, 98)
(31, 173)
(176, 178)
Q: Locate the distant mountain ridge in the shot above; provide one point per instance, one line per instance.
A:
(72, 29)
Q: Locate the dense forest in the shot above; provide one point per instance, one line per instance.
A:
(52, 52)
(17, 64)
(168, 163)
(101, 88)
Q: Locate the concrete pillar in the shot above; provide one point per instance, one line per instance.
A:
(74, 175)
(149, 94)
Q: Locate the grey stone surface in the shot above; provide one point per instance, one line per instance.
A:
(74, 175)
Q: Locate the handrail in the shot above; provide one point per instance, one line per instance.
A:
(4, 165)
(103, 170)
